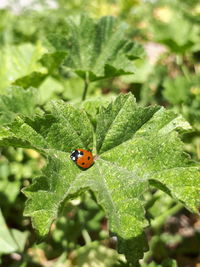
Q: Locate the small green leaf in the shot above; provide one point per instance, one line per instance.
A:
(7, 244)
(33, 79)
(20, 238)
(52, 60)
(177, 90)
(18, 61)
(178, 34)
(183, 94)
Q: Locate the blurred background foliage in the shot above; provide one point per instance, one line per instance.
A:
(167, 74)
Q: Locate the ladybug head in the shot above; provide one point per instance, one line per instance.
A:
(76, 154)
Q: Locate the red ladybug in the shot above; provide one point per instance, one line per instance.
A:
(82, 158)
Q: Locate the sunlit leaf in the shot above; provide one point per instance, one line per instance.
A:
(136, 147)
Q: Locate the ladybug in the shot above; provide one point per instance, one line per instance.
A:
(82, 158)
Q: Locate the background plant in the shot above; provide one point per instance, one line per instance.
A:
(37, 51)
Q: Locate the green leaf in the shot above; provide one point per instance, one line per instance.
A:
(97, 50)
(177, 90)
(155, 153)
(9, 190)
(52, 60)
(95, 252)
(93, 104)
(18, 61)
(119, 122)
(64, 129)
(20, 238)
(7, 244)
(33, 79)
(50, 89)
(183, 94)
(9, 240)
(17, 101)
(119, 192)
(51, 192)
(178, 33)
(137, 147)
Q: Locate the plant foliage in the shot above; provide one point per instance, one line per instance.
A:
(136, 147)
(142, 185)
(97, 50)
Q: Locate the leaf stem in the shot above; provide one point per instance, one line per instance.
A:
(179, 61)
(86, 85)
(86, 236)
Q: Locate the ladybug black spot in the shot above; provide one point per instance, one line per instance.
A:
(88, 158)
(83, 163)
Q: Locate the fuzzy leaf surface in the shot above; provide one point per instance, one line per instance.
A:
(136, 146)
(63, 128)
(97, 50)
(17, 101)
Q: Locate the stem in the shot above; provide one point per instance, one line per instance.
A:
(86, 236)
(185, 72)
(179, 61)
(86, 85)
(198, 149)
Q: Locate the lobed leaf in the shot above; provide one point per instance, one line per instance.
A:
(49, 191)
(97, 50)
(136, 146)
(64, 129)
(119, 121)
